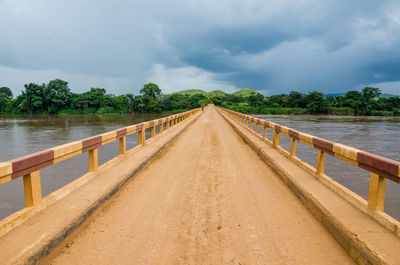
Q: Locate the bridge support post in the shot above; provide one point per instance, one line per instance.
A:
(167, 127)
(277, 139)
(376, 195)
(293, 147)
(142, 137)
(122, 145)
(161, 127)
(256, 128)
(153, 131)
(320, 163)
(265, 131)
(32, 189)
(93, 160)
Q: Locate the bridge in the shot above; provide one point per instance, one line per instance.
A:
(208, 187)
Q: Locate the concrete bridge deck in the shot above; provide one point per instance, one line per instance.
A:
(206, 199)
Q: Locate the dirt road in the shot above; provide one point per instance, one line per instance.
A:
(208, 199)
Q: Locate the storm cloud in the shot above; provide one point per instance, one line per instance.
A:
(271, 46)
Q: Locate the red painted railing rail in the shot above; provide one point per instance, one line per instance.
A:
(29, 166)
(380, 168)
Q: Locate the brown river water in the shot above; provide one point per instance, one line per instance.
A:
(24, 134)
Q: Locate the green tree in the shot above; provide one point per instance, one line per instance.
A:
(351, 99)
(151, 93)
(368, 102)
(316, 103)
(120, 103)
(5, 97)
(151, 90)
(33, 98)
(58, 96)
(296, 100)
(256, 100)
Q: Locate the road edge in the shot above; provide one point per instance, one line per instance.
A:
(42, 251)
(356, 248)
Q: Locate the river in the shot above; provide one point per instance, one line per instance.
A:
(24, 134)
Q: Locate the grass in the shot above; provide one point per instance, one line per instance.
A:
(246, 92)
(191, 92)
(217, 93)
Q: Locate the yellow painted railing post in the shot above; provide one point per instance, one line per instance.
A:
(376, 195)
(168, 123)
(256, 128)
(142, 137)
(293, 146)
(320, 163)
(265, 131)
(161, 127)
(93, 160)
(32, 189)
(251, 125)
(277, 139)
(122, 145)
(153, 131)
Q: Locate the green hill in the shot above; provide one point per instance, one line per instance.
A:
(218, 93)
(245, 92)
(191, 92)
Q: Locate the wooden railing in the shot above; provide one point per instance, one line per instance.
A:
(29, 166)
(380, 168)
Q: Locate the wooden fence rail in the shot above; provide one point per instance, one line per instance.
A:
(29, 166)
(380, 168)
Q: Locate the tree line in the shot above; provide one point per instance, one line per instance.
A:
(56, 97)
(366, 102)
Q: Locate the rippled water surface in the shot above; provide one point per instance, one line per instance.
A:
(22, 135)
(378, 135)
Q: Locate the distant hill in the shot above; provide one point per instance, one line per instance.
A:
(246, 92)
(218, 93)
(191, 92)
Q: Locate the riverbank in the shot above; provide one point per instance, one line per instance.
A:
(343, 111)
(97, 111)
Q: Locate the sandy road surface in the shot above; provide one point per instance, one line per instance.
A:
(208, 199)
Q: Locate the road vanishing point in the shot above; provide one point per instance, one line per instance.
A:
(206, 191)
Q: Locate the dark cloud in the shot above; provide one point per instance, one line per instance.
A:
(271, 46)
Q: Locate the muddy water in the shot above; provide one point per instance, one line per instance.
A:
(22, 135)
(378, 135)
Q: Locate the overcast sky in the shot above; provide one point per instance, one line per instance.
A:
(271, 46)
